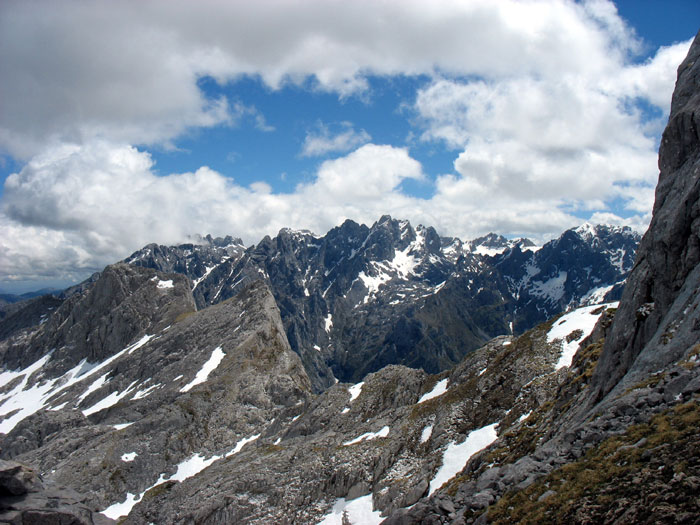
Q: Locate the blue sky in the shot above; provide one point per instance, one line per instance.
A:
(127, 123)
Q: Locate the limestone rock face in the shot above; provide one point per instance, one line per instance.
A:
(659, 315)
(195, 387)
(25, 500)
(102, 319)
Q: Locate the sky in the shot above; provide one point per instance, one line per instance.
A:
(126, 123)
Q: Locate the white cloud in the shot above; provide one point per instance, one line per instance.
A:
(322, 140)
(128, 71)
(75, 208)
(532, 146)
(653, 80)
(538, 99)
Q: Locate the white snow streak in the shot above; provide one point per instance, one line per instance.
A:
(373, 283)
(96, 384)
(439, 389)
(145, 392)
(552, 289)
(491, 252)
(129, 456)
(122, 509)
(596, 295)
(242, 443)
(427, 432)
(216, 357)
(111, 400)
(580, 319)
(165, 284)
(206, 273)
(185, 469)
(456, 456)
(24, 400)
(355, 390)
(384, 432)
(360, 511)
(524, 416)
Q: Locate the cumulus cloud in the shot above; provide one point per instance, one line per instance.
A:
(77, 208)
(538, 99)
(129, 71)
(322, 140)
(530, 143)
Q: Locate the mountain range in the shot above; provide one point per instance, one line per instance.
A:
(378, 373)
(361, 298)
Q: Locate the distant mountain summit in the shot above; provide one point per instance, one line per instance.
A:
(493, 244)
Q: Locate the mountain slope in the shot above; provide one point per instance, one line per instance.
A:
(175, 395)
(616, 441)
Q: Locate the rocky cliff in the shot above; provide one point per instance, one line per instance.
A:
(659, 316)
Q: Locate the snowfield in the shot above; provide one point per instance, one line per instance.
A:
(439, 389)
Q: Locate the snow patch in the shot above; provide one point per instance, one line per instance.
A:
(191, 467)
(138, 344)
(491, 252)
(596, 295)
(373, 283)
(524, 416)
(426, 433)
(552, 289)
(24, 400)
(96, 384)
(355, 390)
(403, 263)
(129, 456)
(384, 432)
(185, 469)
(207, 368)
(121, 426)
(359, 510)
(206, 273)
(109, 401)
(328, 321)
(456, 456)
(145, 392)
(118, 510)
(242, 443)
(439, 389)
(165, 284)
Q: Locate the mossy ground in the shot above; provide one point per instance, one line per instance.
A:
(649, 474)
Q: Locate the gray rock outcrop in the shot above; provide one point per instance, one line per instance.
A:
(24, 500)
